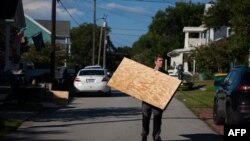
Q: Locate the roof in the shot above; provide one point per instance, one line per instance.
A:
(194, 29)
(62, 27)
(11, 12)
(33, 28)
(207, 7)
(37, 24)
(176, 52)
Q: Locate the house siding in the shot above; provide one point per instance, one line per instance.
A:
(32, 29)
(220, 33)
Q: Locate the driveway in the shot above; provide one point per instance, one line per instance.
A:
(115, 118)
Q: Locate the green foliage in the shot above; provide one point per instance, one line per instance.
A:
(8, 125)
(82, 44)
(166, 31)
(212, 58)
(147, 47)
(201, 96)
(115, 58)
(82, 47)
(239, 49)
(219, 14)
(218, 56)
(232, 13)
(41, 58)
(235, 14)
(81, 38)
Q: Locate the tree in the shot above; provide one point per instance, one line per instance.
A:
(212, 58)
(40, 57)
(81, 38)
(114, 58)
(166, 31)
(82, 47)
(234, 14)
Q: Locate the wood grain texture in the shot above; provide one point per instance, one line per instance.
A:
(64, 95)
(144, 83)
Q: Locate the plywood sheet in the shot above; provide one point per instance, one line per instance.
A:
(63, 95)
(144, 83)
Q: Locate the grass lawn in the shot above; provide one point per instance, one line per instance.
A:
(200, 96)
(8, 125)
(200, 101)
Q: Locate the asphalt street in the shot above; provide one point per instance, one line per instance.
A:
(115, 118)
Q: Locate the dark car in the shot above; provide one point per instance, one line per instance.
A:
(232, 99)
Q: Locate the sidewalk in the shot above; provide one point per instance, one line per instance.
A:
(206, 114)
(18, 111)
(25, 111)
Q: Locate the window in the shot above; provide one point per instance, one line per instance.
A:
(233, 77)
(246, 78)
(91, 72)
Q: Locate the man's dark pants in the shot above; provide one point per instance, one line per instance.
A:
(147, 110)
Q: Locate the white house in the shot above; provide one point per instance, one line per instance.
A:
(195, 37)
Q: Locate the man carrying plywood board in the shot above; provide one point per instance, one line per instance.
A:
(152, 86)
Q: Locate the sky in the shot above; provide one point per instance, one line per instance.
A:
(128, 19)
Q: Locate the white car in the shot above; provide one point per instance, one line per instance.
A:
(92, 80)
(93, 67)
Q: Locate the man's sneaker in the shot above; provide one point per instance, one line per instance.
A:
(158, 139)
(144, 138)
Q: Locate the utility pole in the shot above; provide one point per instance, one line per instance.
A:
(100, 46)
(100, 42)
(7, 46)
(105, 45)
(94, 29)
(53, 40)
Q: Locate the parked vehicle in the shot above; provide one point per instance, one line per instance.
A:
(32, 73)
(98, 67)
(93, 67)
(63, 73)
(5, 87)
(232, 98)
(92, 80)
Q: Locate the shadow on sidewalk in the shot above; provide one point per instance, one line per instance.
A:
(201, 137)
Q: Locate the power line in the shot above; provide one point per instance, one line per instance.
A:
(122, 34)
(123, 15)
(77, 4)
(133, 29)
(68, 12)
(122, 41)
(152, 1)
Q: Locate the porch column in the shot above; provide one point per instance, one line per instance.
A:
(7, 47)
(66, 52)
(207, 36)
(200, 36)
(193, 66)
(185, 66)
(211, 34)
(186, 39)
